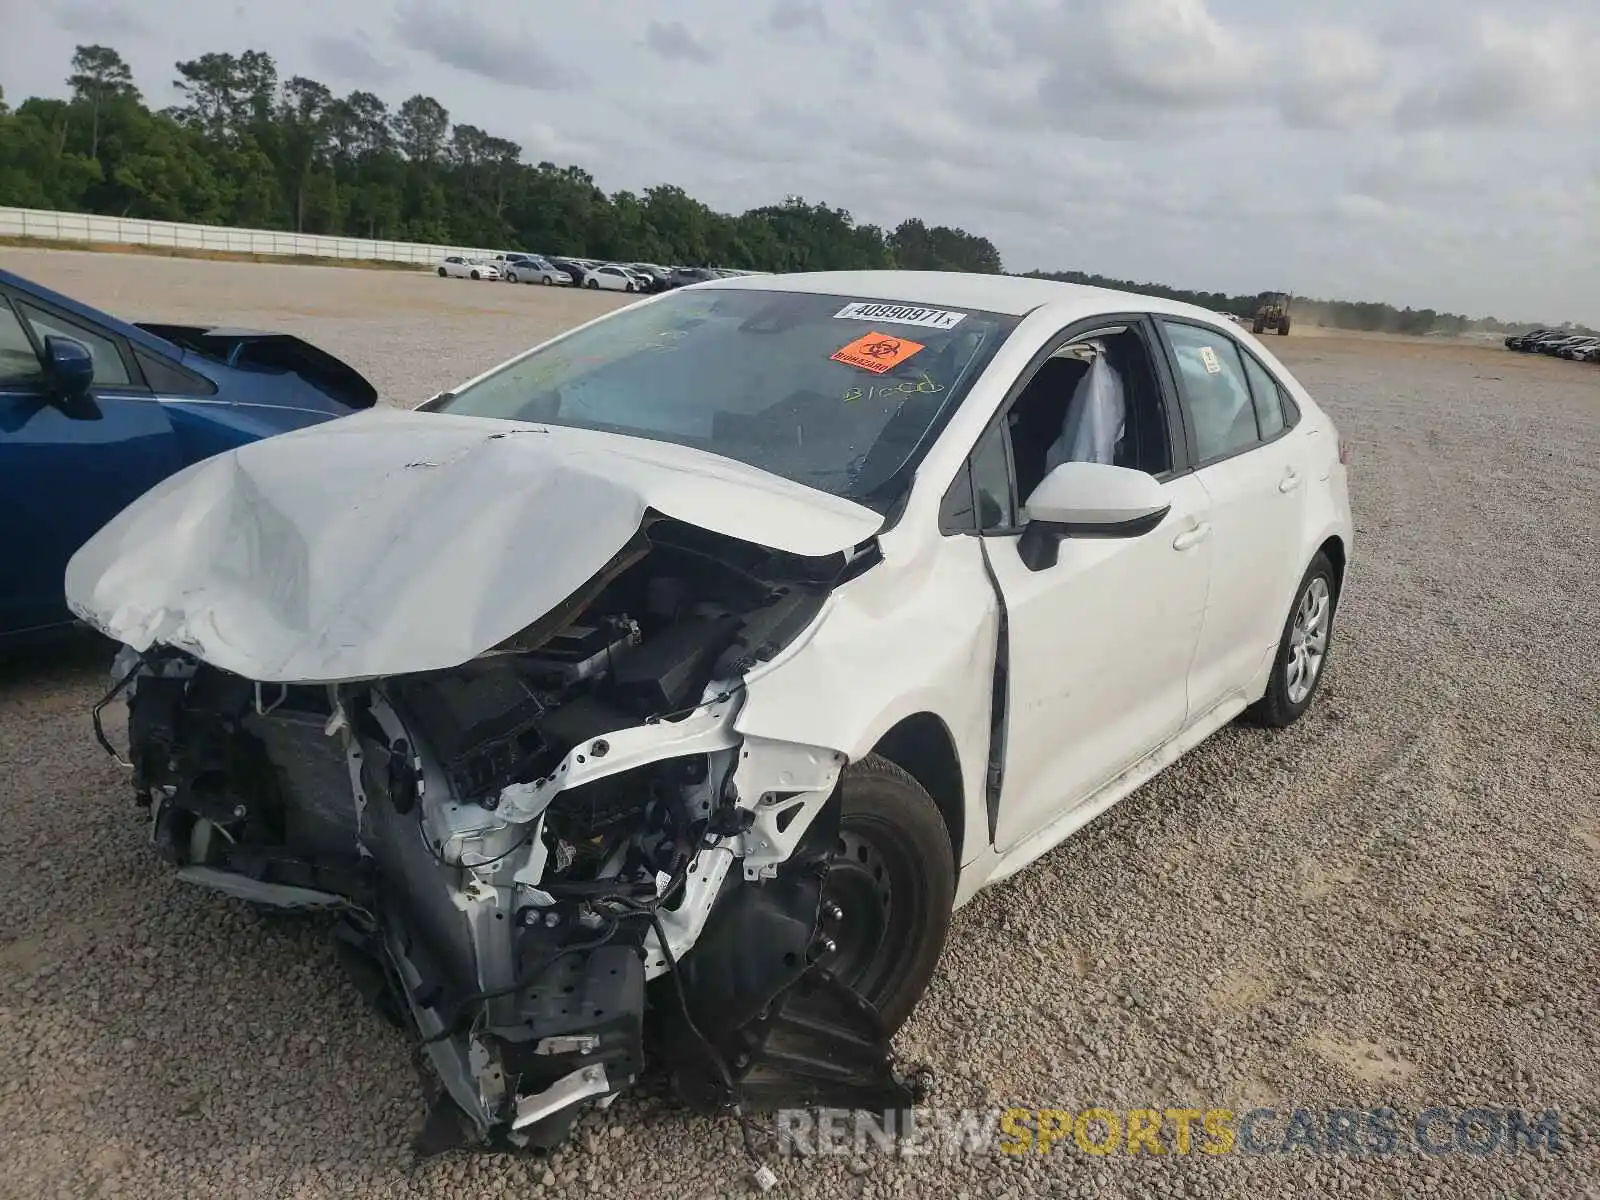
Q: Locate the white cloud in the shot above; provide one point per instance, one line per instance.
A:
(1337, 78)
(1438, 153)
(672, 40)
(1513, 72)
(457, 37)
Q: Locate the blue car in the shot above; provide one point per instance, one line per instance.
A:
(94, 411)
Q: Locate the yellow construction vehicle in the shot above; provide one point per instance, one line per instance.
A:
(1272, 312)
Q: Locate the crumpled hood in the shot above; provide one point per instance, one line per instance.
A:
(391, 542)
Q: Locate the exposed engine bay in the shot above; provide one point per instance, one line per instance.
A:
(558, 862)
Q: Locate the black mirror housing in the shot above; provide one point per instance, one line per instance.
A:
(1039, 547)
(70, 367)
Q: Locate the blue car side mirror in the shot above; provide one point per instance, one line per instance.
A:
(70, 366)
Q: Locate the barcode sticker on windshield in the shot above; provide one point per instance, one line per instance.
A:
(900, 314)
(1208, 356)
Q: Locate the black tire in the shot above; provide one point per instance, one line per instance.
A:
(627, 287)
(594, 283)
(1258, 327)
(1283, 330)
(1278, 709)
(443, 273)
(474, 275)
(893, 878)
(545, 279)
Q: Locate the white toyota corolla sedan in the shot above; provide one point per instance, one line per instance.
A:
(704, 658)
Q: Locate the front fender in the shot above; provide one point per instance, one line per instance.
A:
(912, 635)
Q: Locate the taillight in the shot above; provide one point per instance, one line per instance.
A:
(1344, 453)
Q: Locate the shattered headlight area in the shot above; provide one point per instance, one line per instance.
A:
(559, 864)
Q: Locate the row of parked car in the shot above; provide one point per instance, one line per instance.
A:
(515, 267)
(1559, 343)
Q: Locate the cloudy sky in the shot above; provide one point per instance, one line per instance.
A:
(1441, 153)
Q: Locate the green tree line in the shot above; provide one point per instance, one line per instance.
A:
(246, 147)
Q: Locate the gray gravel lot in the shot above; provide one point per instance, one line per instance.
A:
(1395, 902)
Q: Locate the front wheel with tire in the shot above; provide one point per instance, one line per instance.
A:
(475, 275)
(1303, 649)
(887, 897)
(595, 284)
(442, 272)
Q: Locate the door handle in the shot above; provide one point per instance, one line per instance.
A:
(1190, 538)
(1289, 482)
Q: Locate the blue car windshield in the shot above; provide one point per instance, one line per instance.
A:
(839, 393)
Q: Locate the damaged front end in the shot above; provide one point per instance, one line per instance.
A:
(559, 862)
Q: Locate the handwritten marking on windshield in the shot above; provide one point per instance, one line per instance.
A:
(905, 387)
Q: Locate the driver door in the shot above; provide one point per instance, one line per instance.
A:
(1099, 644)
(66, 466)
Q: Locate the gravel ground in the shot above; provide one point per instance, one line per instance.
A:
(1396, 902)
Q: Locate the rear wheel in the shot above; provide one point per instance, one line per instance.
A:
(1303, 649)
(886, 900)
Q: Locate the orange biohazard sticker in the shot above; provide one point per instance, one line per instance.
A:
(877, 352)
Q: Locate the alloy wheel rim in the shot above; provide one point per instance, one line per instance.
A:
(1308, 640)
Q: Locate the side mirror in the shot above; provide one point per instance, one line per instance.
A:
(69, 366)
(1082, 499)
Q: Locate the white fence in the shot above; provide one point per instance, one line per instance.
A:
(86, 227)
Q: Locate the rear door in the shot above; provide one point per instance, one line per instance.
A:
(66, 467)
(1255, 467)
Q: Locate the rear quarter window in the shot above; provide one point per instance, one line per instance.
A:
(166, 378)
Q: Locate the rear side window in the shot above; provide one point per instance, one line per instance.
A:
(1268, 397)
(109, 369)
(1212, 377)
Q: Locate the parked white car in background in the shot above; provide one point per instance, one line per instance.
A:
(747, 629)
(533, 269)
(457, 266)
(612, 278)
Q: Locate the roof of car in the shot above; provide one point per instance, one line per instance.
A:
(1011, 294)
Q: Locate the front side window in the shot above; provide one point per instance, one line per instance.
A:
(109, 369)
(18, 362)
(1212, 378)
(820, 389)
(991, 482)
